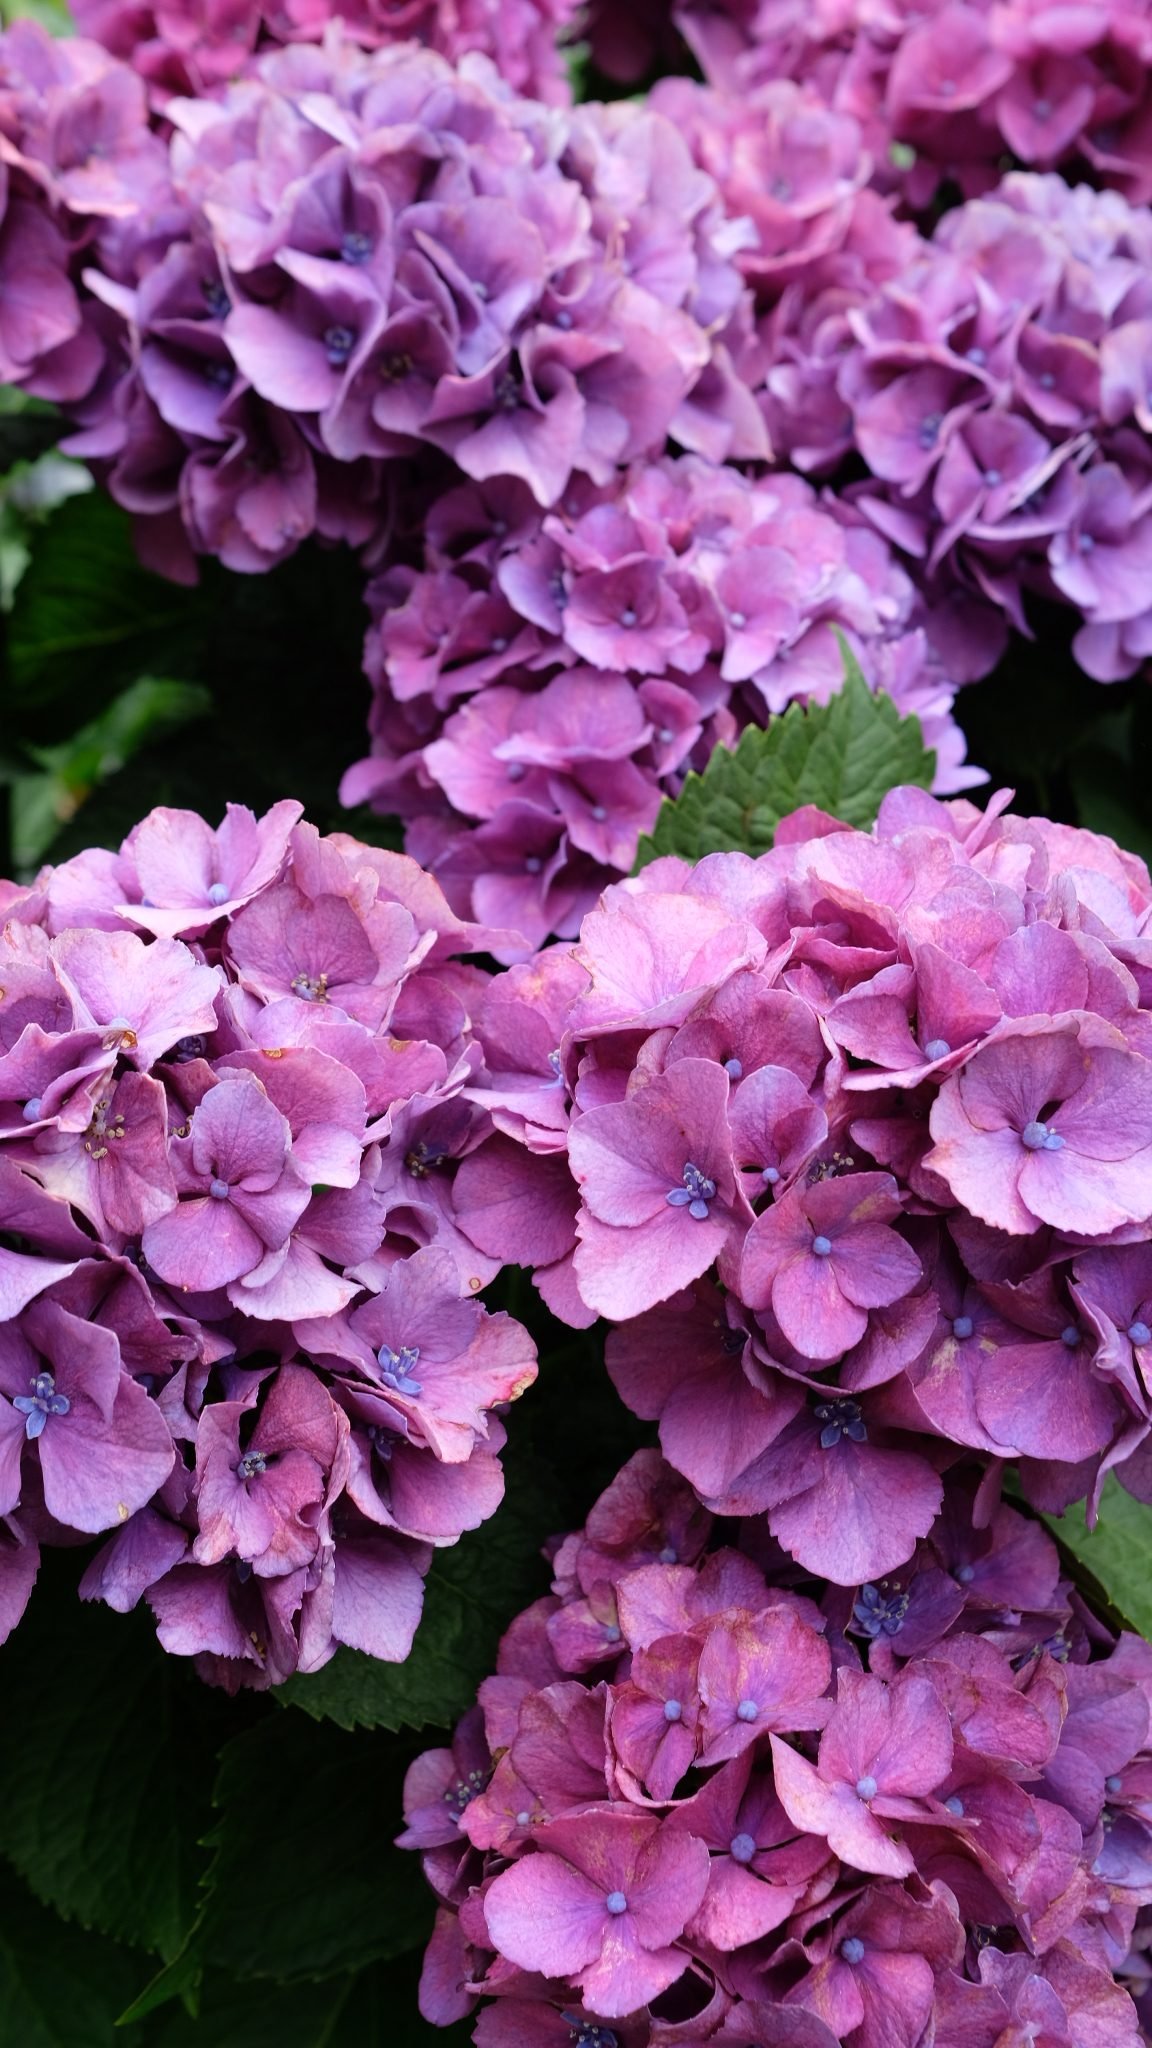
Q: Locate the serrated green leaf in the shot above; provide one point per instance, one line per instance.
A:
(843, 756)
(106, 1764)
(59, 1987)
(86, 612)
(473, 1592)
(1116, 1556)
(305, 1881)
(43, 802)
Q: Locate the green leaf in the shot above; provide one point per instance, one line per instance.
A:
(1116, 1556)
(473, 1591)
(87, 618)
(376, 2008)
(842, 756)
(51, 14)
(59, 1987)
(43, 803)
(305, 1881)
(28, 427)
(106, 1764)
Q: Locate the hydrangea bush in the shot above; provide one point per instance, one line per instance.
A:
(240, 1332)
(708, 1069)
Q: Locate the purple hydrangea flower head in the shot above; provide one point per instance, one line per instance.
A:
(845, 1865)
(575, 665)
(221, 1341)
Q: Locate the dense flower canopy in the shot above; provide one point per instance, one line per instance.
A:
(859, 1163)
(190, 49)
(552, 677)
(239, 1327)
(345, 259)
(946, 93)
(703, 1799)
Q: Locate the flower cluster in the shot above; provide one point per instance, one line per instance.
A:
(700, 1801)
(552, 677)
(349, 258)
(946, 93)
(181, 49)
(998, 388)
(893, 1090)
(238, 1326)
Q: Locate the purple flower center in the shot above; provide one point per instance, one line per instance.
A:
(742, 1848)
(42, 1402)
(1041, 110)
(866, 1787)
(616, 1903)
(31, 1110)
(216, 298)
(930, 430)
(992, 477)
(822, 1246)
(612, 1631)
(219, 1190)
(937, 1049)
(734, 1069)
(599, 813)
(515, 771)
(586, 2034)
(962, 1327)
(852, 1950)
(1086, 542)
(747, 1710)
(668, 1555)
(396, 1368)
(422, 1158)
(965, 1574)
(463, 1792)
(771, 1174)
(878, 1613)
(533, 864)
(840, 1418)
(672, 1710)
(738, 620)
(186, 1049)
(1036, 1137)
(695, 1194)
(955, 1807)
(1139, 1333)
(1070, 1337)
(977, 356)
(1113, 1785)
(218, 893)
(628, 616)
(219, 374)
(311, 988)
(339, 343)
(252, 1464)
(356, 247)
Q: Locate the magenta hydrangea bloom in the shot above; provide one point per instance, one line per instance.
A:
(240, 1333)
(178, 51)
(256, 335)
(925, 1853)
(857, 1164)
(950, 91)
(543, 680)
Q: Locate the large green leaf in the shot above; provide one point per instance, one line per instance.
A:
(305, 1882)
(87, 617)
(106, 1763)
(59, 1987)
(842, 756)
(46, 799)
(473, 1592)
(1115, 1556)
